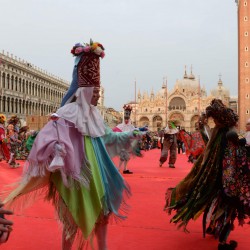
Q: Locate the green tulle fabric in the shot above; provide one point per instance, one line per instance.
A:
(85, 205)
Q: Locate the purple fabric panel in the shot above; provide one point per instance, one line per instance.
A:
(43, 148)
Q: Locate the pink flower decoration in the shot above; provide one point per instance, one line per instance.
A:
(79, 50)
(87, 49)
(102, 54)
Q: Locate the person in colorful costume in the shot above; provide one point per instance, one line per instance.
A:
(13, 143)
(218, 184)
(15, 121)
(70, 160)
(31, 136)
(247, 135)
(126, 125)
(195, 142)
(169, 144)
(4, 151)
(22, 150)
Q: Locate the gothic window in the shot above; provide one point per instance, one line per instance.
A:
(247, 112)
(33, 89)
(20, 85)
(177, 102)
(26, 87)
(245, 18)
(246, 48)
(247, 80)
(23, 87)
(246, 64)
(12, 82)
(4, 102)
(245, 3)
(159, 109)
(29, 90)
(246, 33)
(8, 81)
(8, 105)
(3, 80)
(16, 83)
(247, 96)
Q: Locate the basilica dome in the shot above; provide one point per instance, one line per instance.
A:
(220, 91)
(188, 83)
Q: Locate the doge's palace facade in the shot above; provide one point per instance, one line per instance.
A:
(28, 90)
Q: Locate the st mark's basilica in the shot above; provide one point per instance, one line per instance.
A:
(184, 103)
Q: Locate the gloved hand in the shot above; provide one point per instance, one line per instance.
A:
(138, 134)
(143, 128)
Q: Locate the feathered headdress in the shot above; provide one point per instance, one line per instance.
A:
(218, 111)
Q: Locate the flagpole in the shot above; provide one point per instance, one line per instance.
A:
(135, 102)
(166, 99)
(199, 96)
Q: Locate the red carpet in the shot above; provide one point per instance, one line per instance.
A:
(147, 226)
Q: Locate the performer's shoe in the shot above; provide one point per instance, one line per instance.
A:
(231, 246)
(127, 172)
(160, 164)
(210, 231)
(171, 166)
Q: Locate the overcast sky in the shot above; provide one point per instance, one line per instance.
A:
(144, 40)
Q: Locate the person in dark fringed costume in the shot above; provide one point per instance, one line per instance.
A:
(218, 184)
(70, 162)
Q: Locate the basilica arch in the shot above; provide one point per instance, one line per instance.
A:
(177, 116)
(144, 121)
(157, 123)
(177, 103)
(193, 120)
